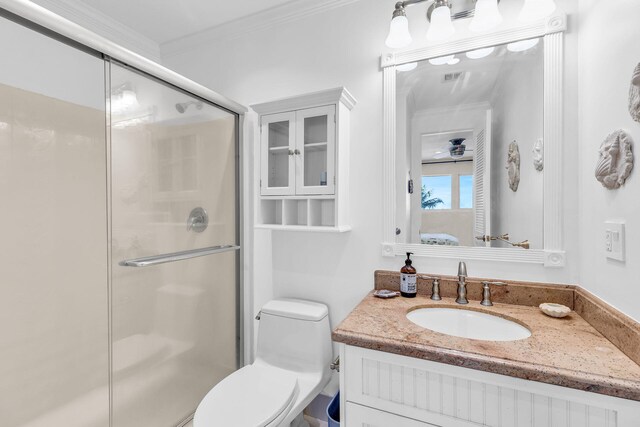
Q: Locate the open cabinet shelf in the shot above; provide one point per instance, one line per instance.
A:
(300, 214)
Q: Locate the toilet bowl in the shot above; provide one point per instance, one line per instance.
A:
(291, 367)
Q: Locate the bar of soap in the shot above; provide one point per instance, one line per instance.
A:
(555, 310)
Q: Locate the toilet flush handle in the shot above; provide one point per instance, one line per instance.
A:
(335, 366)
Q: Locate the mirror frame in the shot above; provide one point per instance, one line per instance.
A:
(551, 29)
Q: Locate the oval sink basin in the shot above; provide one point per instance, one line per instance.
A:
(468, 324)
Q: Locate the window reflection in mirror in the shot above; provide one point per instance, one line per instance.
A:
(455, 121)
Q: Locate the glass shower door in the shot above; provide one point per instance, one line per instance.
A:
(174, 189)
(53, 244)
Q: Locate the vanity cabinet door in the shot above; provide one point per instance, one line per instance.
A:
(363, 416)
(277, 145)
(315, 150)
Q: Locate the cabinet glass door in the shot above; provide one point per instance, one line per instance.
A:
(278, 151)
(315, 150)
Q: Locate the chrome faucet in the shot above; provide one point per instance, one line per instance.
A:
(435, 287)
(486, 292)
(462, 284)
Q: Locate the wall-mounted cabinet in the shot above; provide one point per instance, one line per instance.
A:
(298, 152)
(304, 161)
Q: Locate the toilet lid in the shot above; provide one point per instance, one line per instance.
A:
(251, 397)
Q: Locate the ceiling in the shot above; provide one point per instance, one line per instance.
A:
(468, 82)
(165, 20)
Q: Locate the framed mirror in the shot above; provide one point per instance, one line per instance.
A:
(472, 140)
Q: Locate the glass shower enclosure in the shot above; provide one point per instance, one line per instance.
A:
(120, 223)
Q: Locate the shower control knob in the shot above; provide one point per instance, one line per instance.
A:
(198, 220)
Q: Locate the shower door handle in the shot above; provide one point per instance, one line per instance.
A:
(177, 256)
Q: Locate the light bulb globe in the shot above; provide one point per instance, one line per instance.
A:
(486, 16)
(442, 60)
(522, 45)
(480, 53)
(407, 67)
(441, 27)
(399, 35)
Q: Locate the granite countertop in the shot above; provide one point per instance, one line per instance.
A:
(567, 352)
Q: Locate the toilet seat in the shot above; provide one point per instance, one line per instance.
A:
(254, 396)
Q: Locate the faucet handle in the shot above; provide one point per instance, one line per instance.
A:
(487, 283)
(486, 292)
(435, 287)
(462, 269)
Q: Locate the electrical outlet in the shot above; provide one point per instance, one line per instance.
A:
(614, 240)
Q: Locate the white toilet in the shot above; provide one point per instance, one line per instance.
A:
(291, 367)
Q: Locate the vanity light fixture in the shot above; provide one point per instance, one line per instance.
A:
(480, 53)
(486, 16)
(453, 61)
(442, 60)
(399, 29)
(407, 67)
(123, 99)
(441, 27)
(522, 45)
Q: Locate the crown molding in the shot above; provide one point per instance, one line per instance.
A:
(260, 21)
(96, 21)
(325, 97)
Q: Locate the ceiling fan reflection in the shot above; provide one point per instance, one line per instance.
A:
(455, 150)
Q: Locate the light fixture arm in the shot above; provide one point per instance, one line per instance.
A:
(402, 5)
(440, 16)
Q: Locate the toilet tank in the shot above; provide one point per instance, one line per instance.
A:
(295, 335)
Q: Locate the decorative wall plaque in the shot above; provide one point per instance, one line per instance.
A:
(616, 160)
(513, 166)
(634, 95)
(538, 155)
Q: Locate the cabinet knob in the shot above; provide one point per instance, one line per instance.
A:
(297, 152)
(291, 153)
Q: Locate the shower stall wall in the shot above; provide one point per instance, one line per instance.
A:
(120, 284)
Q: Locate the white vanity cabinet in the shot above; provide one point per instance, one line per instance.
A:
(304, 160)
(386, 390)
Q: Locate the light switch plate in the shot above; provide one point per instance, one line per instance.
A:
(614, 240)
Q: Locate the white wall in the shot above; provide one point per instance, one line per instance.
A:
(334, 48)
(608, 55)
(36, 52)
(518, 116)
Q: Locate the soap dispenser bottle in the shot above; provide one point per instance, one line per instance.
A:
(408, 287)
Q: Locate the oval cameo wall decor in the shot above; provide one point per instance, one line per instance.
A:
(616, 160)
(513, 166)
(634, 95)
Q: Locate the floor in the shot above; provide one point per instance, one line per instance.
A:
(313, 422)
